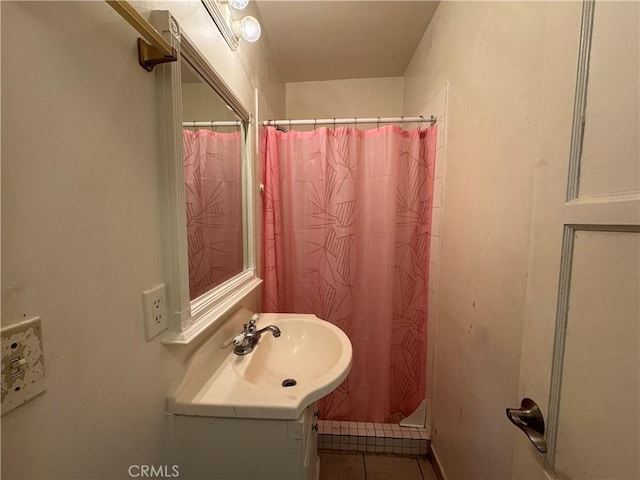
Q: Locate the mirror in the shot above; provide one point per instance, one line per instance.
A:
(213, 142)
(209, 260)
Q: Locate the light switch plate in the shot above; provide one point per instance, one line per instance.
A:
(23, 375)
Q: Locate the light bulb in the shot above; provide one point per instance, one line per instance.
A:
(247, 28)
(239, 4)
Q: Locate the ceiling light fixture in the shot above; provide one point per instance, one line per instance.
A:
(223, 12)
(247, 28)
(239, 4)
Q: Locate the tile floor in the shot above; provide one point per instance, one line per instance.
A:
(359, 466)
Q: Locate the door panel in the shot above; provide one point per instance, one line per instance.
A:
(601, 374)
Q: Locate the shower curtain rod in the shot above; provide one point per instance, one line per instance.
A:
(351, 121)
(214, 123)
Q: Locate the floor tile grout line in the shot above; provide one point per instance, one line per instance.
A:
(420, 469)
(364, 466)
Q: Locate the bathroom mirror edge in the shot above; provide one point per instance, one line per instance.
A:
(222, 18)
(189, 319)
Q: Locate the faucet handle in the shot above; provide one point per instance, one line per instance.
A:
(235, 340)
(238, 339)
(252, 324)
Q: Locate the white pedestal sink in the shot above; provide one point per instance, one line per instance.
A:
(312, 352)
(232, 418)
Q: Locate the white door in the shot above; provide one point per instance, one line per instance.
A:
(580, 348)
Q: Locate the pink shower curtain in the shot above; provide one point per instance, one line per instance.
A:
(213, 182)
(347, 219)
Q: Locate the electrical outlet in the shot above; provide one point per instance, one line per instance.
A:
(154, 302)
(22, 363)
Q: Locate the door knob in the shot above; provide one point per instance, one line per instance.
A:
(528, 418)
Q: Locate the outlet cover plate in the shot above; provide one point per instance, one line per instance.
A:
(22, 363)
(154, 302)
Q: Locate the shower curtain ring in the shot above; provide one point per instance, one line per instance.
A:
(315, 123)
(378, 123)
(334, 123)
(420, 122)
(401, 121)
(289, 124)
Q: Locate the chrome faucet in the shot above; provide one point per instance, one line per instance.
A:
(248, 338)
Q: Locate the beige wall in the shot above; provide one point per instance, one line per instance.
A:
(490, 56)
(81, 229)
(360, 97)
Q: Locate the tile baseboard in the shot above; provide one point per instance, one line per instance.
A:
(368, 437)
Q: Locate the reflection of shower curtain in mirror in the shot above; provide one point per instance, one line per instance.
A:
(213, 182)
(347, 221)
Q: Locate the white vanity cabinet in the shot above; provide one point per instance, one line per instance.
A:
(244, 448)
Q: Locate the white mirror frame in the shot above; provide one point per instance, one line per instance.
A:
(188, 319)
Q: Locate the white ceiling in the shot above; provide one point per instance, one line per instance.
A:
(333, 39)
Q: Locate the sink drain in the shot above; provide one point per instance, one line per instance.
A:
(289, 382)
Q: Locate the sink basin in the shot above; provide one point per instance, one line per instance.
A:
(307, 351)
(311, 356)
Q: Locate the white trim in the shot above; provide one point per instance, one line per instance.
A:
(169, 92)
(222, 18)
(580, 103)
(209, 308)
(248, 199)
